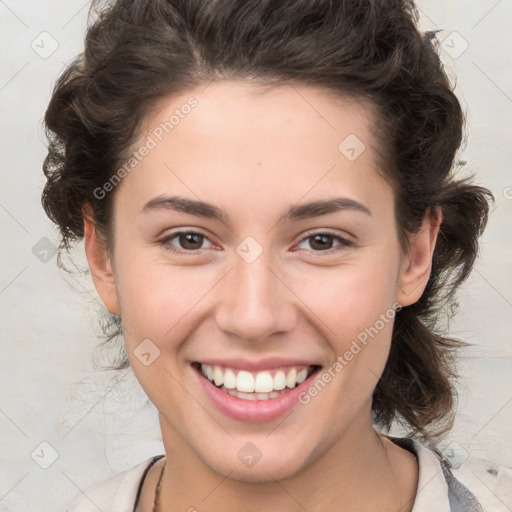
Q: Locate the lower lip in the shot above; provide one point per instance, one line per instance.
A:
(253, 411)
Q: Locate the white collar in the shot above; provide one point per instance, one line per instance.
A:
(120, 491)
(432, 493)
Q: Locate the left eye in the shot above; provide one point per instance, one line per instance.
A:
(323, 242)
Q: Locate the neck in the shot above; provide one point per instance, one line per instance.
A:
(363, 471)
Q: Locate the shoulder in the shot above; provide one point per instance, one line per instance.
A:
(491, 484)
(118, 492)
(477, 485)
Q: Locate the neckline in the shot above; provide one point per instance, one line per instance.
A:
(154, 459)
(403, 442)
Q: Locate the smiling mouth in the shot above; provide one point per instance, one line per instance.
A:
(263, 385)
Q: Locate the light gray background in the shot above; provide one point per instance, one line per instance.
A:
(94, 423)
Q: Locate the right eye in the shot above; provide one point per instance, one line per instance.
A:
(190, 241)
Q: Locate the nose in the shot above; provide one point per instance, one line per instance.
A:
(255, 301)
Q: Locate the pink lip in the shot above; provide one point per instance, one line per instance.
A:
(259, 411)
(256, 366)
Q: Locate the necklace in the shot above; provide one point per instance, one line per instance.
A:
(156, 504)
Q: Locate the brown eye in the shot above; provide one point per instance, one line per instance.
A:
(325, 242)
(190, 241)
(187, 241)
(321, 242)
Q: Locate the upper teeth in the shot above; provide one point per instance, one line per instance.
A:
(260, 382)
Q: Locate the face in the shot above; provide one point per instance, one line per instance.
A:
(256, 247)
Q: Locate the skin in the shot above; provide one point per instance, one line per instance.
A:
(255, 153)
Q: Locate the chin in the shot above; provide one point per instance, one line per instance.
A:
(268, 469)
(257, 458)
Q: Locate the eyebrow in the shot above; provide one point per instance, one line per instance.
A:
(296, 212)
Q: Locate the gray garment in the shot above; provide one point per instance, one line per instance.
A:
(461, 498)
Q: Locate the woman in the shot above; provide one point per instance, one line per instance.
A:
(267, 202)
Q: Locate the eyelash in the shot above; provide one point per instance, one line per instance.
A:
(165, 242)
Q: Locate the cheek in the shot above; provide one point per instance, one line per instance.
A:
(357, 310)
(355, 306)
(352, 297)
(158, 300)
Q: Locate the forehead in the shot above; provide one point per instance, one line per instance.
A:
(240, 109)
(239, 141)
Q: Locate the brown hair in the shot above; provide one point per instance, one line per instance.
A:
(140, 51)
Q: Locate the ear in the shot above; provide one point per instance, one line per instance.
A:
(100, 264)
(417, 263)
